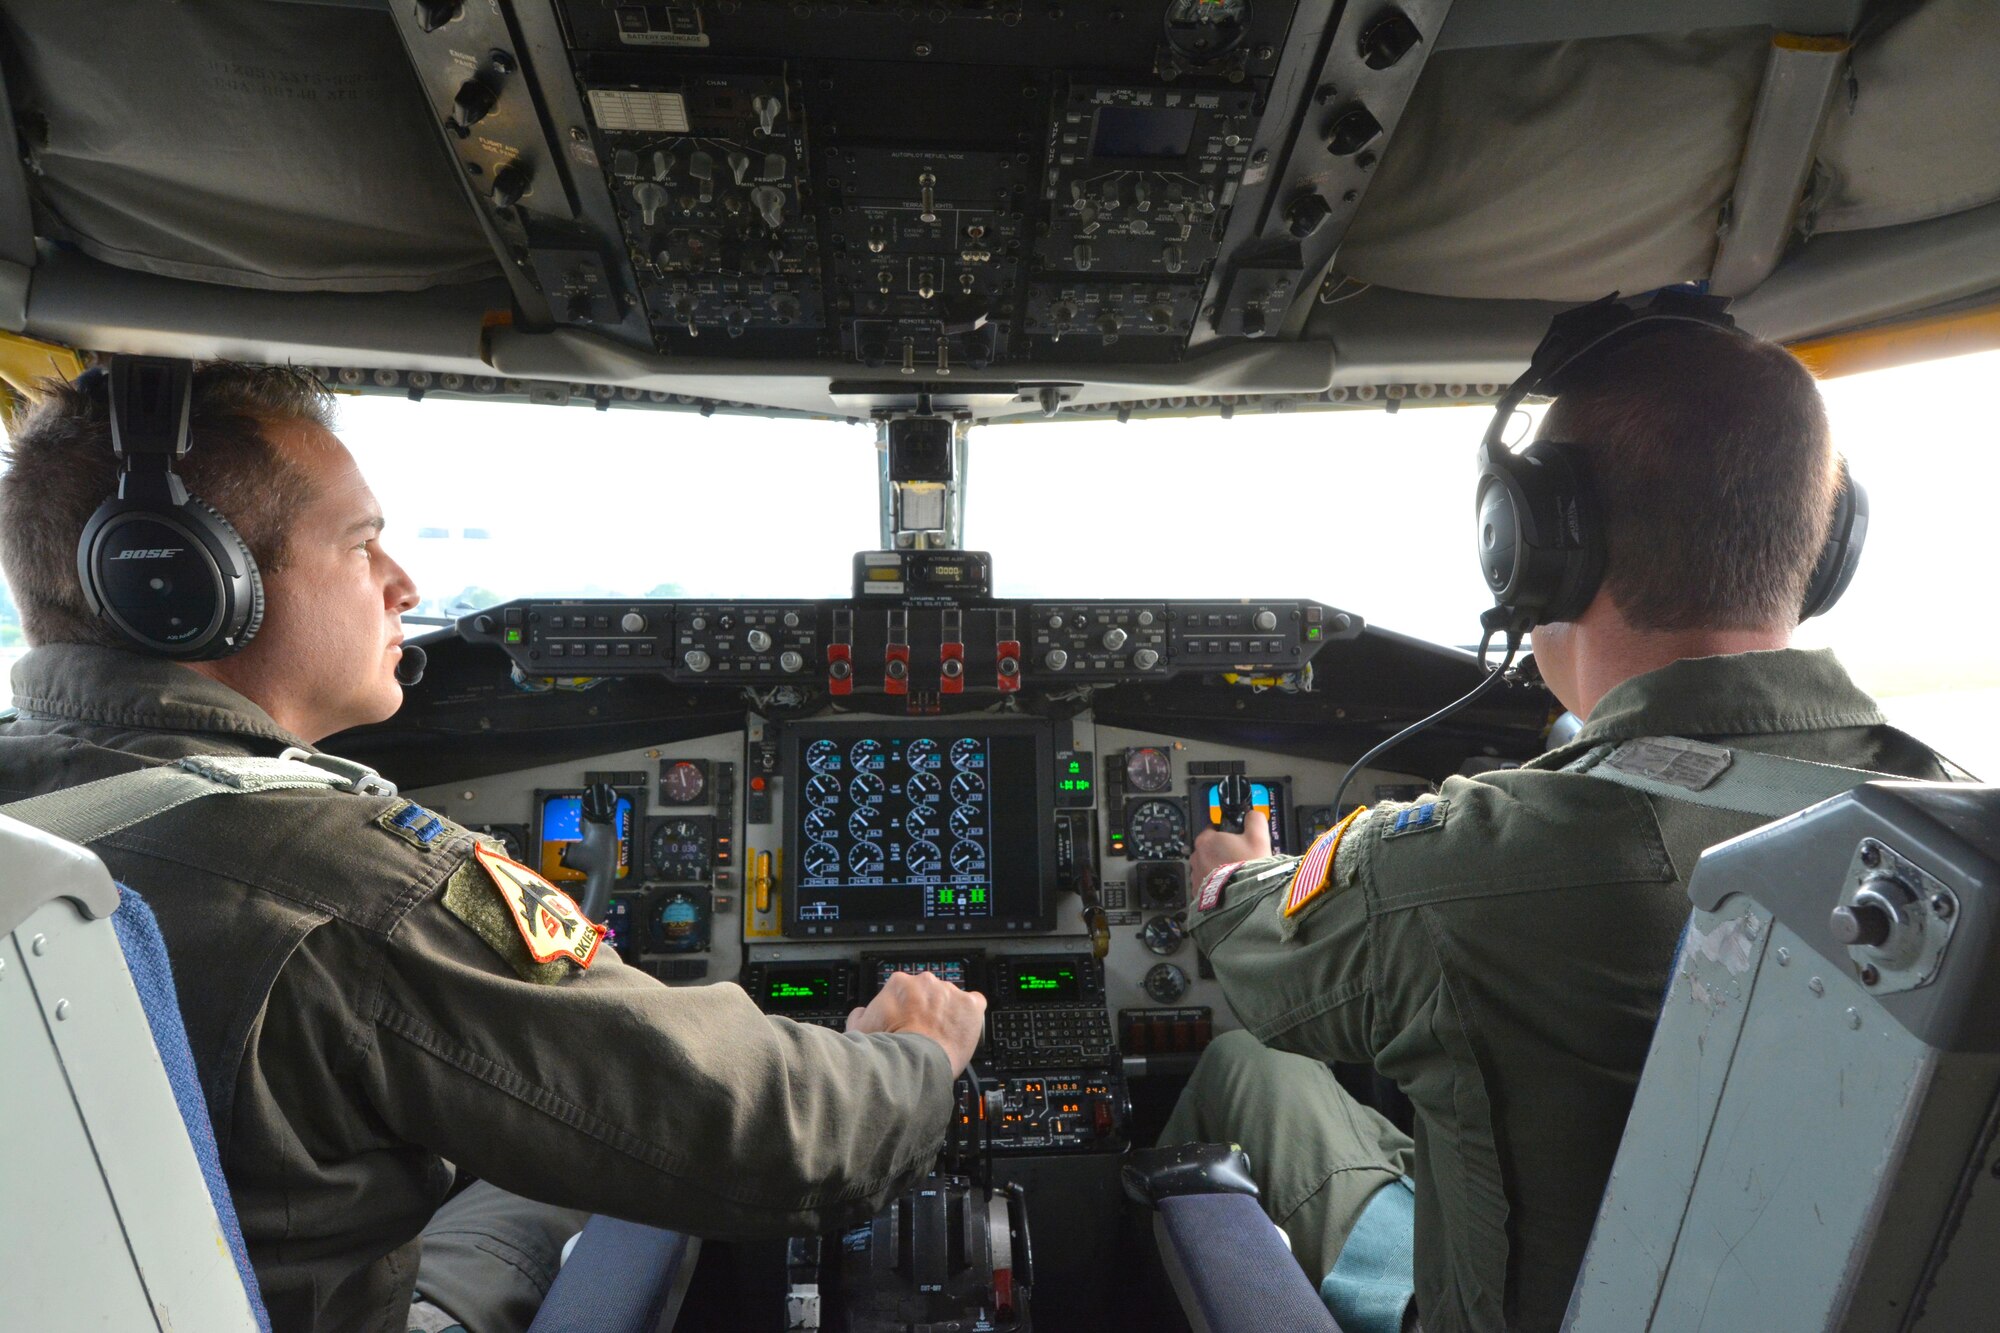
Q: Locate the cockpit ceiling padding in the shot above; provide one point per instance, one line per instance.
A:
(1921, 137)
(1560, 172)
(279, 146)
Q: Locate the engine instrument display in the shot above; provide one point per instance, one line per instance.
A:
(560, 822)
(925, 828)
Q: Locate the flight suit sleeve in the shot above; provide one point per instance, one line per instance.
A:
(601, 1088)
(1302, 982)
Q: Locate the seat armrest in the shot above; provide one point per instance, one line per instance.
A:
(1231, 1269)
(621, 1278)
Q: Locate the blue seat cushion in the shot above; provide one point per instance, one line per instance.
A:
(146, 959)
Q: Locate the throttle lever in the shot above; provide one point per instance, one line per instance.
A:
(596, 852)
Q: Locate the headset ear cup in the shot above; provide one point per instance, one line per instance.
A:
(247, 615)
(1841, 555)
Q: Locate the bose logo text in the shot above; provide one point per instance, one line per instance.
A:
(150, 553)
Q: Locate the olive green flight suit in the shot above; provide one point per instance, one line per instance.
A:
(354, 1032)
(1502, 958)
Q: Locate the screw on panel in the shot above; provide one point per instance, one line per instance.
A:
(1942, 906)
(1871, 855)
(1816, 986)
(1854, 1019)
(1869, 975)
(40, 944)
(1784, 956)
(62, 1010)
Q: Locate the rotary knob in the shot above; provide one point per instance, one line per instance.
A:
(1114, 639)
(1861, 924)
(1145, 619)
(791, 620)
(759, 641)
(790, 661)
(696, 660)
(1145, 659)
(1265, 620)
(633, 623)
(1056, 660)
(1055, 622)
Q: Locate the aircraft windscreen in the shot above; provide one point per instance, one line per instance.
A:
(1364, 509)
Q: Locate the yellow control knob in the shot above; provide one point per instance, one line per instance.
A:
(761, 881)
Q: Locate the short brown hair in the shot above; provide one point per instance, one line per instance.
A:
(1712, 465)
(60, 469)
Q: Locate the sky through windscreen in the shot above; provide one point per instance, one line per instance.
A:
(1363, 509)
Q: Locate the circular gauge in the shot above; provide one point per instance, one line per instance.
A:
(966, 821)
(678, 850)
(864, 821)
(922, 753)
(1166, 983)
(966, 786)
(922, 786)
(822, 756)
(820, 822)
(1148, 769)
(1155, 831)
(865, 787)
(967, 857)
(822, 860)
(823, 789)
(676, 924)
(920, 822)
(1163, 934)
(923, 858)
(508, 836)
(865, 859)
(967, 753)
(683, 783)
(863, 752)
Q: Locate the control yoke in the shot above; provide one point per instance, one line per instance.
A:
(596, 853)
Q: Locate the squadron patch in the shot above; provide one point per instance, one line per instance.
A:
(549, 922)
(1315, 868)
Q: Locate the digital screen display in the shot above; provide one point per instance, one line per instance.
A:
(1047, 983)
(1143, 131)
(562, 824)
(909, 830)
(800, 987)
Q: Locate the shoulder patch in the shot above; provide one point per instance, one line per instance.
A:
(1423, 817)
(1315, 868)
(414, 824)
(528, 921)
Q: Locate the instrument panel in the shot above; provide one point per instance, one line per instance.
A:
(923, 651)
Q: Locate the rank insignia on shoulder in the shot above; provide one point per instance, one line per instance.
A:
(1315, 868)
(414, 824)
(1423, 817)
(1211, 888)
(550, 922)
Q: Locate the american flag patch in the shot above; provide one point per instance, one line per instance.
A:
(1316, 865)
(1211, 888)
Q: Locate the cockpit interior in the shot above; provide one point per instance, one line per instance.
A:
(939, 220)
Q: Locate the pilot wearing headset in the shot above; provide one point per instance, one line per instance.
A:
(1499, 951)
(371, 994)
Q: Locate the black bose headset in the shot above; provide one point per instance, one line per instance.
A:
(168, 570)
(1541, 540)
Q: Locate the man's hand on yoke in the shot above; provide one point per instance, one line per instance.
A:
(925, 1004)
(1214, 848)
